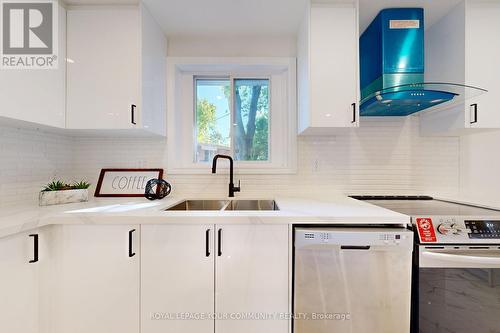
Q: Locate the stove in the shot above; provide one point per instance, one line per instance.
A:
(444, 222)
(456, 264)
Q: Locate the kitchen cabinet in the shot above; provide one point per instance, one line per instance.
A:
(177, 277)
(459, 48)
(252, 277)
(37, 95)
(229, 270)
(19, 287)
(116, 70)
(328, 67)
(25, 263)
(96, 281)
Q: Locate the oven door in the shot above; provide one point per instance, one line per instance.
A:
(458, 290)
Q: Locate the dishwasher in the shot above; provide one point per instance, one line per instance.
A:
(352, 280)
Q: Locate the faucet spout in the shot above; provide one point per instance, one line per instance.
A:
(232, 188)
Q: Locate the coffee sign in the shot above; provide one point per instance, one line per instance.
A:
(125, 182)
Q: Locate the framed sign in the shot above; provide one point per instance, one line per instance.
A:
(125, 182)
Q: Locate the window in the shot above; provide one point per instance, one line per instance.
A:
(244, 133)
(241, 107)
(213, 118)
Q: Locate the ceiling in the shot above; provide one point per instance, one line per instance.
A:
(433, 9)
(226, 18)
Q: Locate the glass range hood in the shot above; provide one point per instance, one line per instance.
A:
(392, 68)
(405, 99)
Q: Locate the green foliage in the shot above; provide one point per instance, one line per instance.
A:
(207, 123)
(81, 185)
(58, 185)
(252, 119)
(55, 185)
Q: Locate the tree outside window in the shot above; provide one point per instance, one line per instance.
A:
(248, 137)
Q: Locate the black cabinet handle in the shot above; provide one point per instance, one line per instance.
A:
(219, 242)
(207, 243)
(353, 105)
(474, 107)
(35, 248)
(130, 241)
(132, 112)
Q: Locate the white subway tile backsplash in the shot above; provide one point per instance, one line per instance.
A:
(28, 159)
(383, 156)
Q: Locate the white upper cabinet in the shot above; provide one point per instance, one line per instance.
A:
(327, 74)
(116, 69)
(37, 95)
(461, 48)
(482, 56)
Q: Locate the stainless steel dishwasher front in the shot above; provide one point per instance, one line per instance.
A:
(352, 280)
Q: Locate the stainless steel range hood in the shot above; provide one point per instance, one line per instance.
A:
(392, 68)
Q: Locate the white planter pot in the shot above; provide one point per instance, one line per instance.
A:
(47, 198)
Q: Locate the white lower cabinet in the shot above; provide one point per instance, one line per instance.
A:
(177, 277)
(19, 287)
(96, 281)
(252, 276)
(25, 261)
(188, 271)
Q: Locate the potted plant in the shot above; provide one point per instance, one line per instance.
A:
(58, 192)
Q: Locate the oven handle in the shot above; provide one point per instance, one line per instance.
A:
(464, 260)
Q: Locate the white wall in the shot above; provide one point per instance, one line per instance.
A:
(237, 46)
(480, 167)
(29, 158)
(384, 156)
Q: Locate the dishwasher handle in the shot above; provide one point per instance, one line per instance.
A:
(355, 247)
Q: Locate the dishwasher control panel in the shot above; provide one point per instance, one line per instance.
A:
(353, 238)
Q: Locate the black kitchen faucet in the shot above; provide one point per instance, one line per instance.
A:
(232, 188)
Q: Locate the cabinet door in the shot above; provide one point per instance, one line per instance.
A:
(252, 278)
(483, 27)
(177, 278)
(19, 284)
(97, 279)
(103, 67)
(37, 96)
(334, 65)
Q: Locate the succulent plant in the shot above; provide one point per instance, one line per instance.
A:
(81, 185)
(58, 185)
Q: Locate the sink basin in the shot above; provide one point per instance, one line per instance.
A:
(252, 205)
(199, 205)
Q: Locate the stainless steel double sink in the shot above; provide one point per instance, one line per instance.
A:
(225, 205)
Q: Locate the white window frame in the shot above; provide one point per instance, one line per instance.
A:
(181, 75)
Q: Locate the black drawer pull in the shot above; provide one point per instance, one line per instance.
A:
(474, 108)
(207, 243)
(132, 111)
(353, 113)
(219, 242)
(35, 248)
(130, 243)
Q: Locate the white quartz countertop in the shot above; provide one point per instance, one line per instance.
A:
(328, 209)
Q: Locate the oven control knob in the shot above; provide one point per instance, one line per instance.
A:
(445, 228)
(456, 229)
